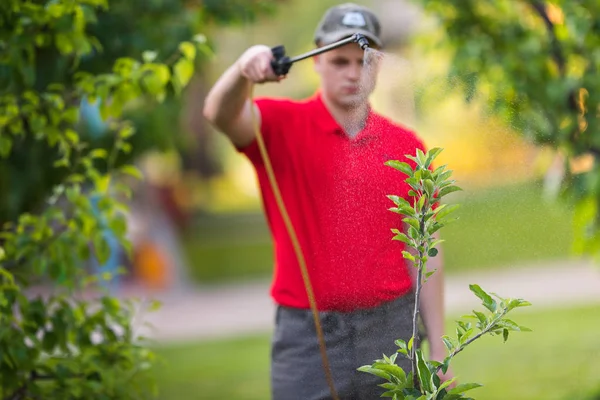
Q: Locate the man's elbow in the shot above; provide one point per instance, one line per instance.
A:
(209, 112)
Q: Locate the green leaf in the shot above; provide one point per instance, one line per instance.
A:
(448, 190)
(374, 371)
(408, 256)
(448, 343)
(400, 166)
(103, 183)
(401, 237)
(436, 242)
(481, 317)
(505, 335)
(188, 50)
(5, 145)
(98, 153)
(119, 226)
(184, 70)
(434, 228)
(423, 372)
(524, 329)
(447, 383)
(441, 212)
(464, 387)
(102, 248)
(131, 171)
(49, 341)
(508, 324)
(402, 346)
(488, 302)
(420, 157)
(412, 221)
(420, 203)
(432, 252)
(514, 303)
(431, 155)
(428, 183)
(399, 201)
(393, 370)
(413, 233)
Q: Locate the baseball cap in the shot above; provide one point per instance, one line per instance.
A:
(344, 20)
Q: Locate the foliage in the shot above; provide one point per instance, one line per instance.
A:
(47, 46)
(61, 345)
(536, 65)
(423, 218)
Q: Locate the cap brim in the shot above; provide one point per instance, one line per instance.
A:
(333, 37)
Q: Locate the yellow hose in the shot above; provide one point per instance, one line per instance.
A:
(299, 255)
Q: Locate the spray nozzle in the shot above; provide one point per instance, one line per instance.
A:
(281, 63)
(362, 41)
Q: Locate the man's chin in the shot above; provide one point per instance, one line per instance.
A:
(354, 101)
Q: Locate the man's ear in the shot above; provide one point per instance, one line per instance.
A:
(316, 62)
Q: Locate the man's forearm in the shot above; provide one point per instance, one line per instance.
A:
(228, 97)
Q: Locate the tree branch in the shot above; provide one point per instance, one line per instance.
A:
(488, 328)
(557, 54)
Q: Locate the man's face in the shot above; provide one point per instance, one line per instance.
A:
(345, 80)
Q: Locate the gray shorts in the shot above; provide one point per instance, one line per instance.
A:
(352, 339)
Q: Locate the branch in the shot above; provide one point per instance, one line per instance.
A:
(21, 392)
(557, 53)
(415, 332)
(474, 338)
(19, 262)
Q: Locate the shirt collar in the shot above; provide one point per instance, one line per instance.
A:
(328, 123)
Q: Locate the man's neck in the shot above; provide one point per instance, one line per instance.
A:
(351, 119)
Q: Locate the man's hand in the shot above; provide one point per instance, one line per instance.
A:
(255, 65)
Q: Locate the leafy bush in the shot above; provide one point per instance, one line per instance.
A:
(59, 344)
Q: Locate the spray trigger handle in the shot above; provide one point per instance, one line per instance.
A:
(281, 63)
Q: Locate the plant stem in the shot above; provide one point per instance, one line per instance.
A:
(415, 332)
(474, 338)
(415, 319)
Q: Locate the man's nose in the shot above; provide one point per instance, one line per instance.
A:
(354, 72)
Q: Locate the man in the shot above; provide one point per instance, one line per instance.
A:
(328, 154)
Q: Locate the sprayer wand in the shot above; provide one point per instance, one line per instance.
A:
(282, 63)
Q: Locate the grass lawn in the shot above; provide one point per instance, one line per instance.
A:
(558, 361)
(503, 227)
(498, 227)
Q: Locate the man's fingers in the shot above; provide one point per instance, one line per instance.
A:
(267, 70)
(256, 65)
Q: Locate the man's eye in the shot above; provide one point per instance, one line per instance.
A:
(339, 62)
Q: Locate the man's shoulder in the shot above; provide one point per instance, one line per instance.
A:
(397, 130)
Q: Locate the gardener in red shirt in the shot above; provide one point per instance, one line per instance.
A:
(328, 154)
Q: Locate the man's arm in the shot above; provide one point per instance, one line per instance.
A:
(228, 106)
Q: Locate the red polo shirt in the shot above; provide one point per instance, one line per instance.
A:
(334, 188)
